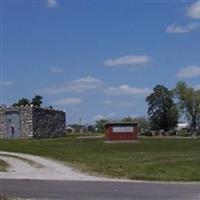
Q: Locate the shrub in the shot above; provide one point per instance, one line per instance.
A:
(172, 133)
(148, 133)
(186, 134)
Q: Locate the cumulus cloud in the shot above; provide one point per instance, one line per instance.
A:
(77, 86)
(189, 72)
(128, 60)
(194, 10)
(56, 70)
(52, 3)
(6, 83)
(127, 90)
(68, 101)
(182, 29)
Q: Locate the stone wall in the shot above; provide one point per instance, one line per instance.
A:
(26, 119)
(48, 123)
(2, 123)
(35, 122)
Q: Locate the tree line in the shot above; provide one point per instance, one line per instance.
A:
(166, 107)
(35, 101)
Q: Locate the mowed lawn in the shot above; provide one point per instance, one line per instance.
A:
(148, 159)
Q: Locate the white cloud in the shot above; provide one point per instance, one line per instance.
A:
(128, 60)
(120, 104)
(6, 83)
(68, 101)
(108, 116)
(77, 86)
(183, 29)
(52, 3)
(189, 72)
(87, 79)
(194, 10)
(98, 117)
(127, 90)
(56, 70)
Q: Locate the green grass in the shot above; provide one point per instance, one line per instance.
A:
(3, 165)
(149, 159)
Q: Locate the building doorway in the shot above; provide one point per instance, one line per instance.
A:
(13, 129)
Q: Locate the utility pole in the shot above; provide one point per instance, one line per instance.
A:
(80, 121)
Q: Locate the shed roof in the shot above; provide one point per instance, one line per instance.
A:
(121, 123)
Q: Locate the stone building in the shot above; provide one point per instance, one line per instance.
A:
(31, 122)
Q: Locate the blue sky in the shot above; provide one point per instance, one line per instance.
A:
(97, 58)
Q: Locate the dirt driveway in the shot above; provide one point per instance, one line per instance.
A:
(23, 166)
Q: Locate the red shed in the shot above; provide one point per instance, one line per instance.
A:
(121, 131)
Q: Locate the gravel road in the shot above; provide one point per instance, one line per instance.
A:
(23, 166)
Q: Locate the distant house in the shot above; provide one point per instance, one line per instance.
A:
(69, 129)
(76, 128)
(31, 122)
(183, 126)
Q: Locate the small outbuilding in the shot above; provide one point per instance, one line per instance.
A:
(121, 131)
(31, 122)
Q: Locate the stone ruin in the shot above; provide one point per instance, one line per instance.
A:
(31, 122)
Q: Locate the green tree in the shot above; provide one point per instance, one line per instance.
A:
(162, 109)
(128, 119)
(143, 123)
(37, 100)
(189, 103)
(22, 102)
(100, 125)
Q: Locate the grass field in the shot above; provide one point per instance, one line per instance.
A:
(148, 159)
(3, 165)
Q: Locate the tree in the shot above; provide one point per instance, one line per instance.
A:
(128, 119)
(22, 102)
(189, 103)
(37, 100)
(162, 109)
(143, 123)
(100, 125)
(198, 121)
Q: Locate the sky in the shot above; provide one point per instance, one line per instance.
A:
(95, 58)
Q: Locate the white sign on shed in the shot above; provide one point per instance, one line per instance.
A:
(122, 129)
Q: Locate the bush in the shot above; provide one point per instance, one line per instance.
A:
(172, 133)
(148, 133)
(157, 133)
(184, 133)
